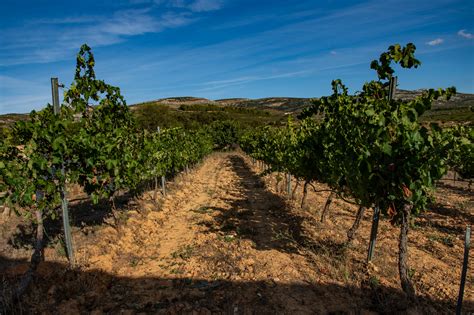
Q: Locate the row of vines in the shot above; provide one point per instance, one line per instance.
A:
(370, 148)
(92, 141)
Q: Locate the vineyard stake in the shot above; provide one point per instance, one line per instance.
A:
(467, 241)
(64, 203)
(373, 233)
(163, 187)
(392, 88)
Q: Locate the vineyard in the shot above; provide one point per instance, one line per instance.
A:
(348, 207)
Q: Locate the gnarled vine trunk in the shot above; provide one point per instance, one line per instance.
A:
(326, 206)
(294, 190)
(407, 286)
(355, 225)
(277, 184)
(305, 194)
(155, 192)
(6, 211)
(36, 257)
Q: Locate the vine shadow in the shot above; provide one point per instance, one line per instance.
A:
(263, 217)
(59, 288)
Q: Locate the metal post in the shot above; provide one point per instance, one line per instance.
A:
(373, 233)
(64, 203)
(392, 88)
(467, 241)
(67, 226)
(163, 187)
(55, 95)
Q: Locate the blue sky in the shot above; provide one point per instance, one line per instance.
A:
(223, 48)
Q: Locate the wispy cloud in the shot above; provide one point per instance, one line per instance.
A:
(213, 85)
(465, 34)
(53, 39)
(281, 51)
(194, 5)
(23, 95)
(435, 42)
(67, 20)
(205, 5)
(40, 43)
(129, 23)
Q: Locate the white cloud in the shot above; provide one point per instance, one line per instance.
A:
(52, 39)
(195, 5)
(465, 34)
(129, 22)
(68, 20)
(333, 52)
(41, 43)
(172, 19)
(205, 5)
(21, 96)
(435, 42)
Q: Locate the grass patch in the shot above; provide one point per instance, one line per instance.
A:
(184, 252)
(446, 240)
(203, 210)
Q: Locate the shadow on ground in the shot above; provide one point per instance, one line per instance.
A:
(259, 215)
(59, 290)
(461, 188)
(83, 214)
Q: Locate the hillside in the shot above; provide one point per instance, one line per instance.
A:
(287, 104)
(456, 109)
(179, 100)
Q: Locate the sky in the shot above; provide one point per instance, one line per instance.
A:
(216, 49)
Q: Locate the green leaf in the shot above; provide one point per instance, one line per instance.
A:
(387, 149)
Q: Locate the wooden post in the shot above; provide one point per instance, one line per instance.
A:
(64, 203)
(467, 241)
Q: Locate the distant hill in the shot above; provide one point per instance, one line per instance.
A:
(286, 104)
(9, 119)
(175, 102)
(456, 109)
(460, 100)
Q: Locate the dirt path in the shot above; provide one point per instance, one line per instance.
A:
(140, 247)
(221, 242)
(218, 231)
